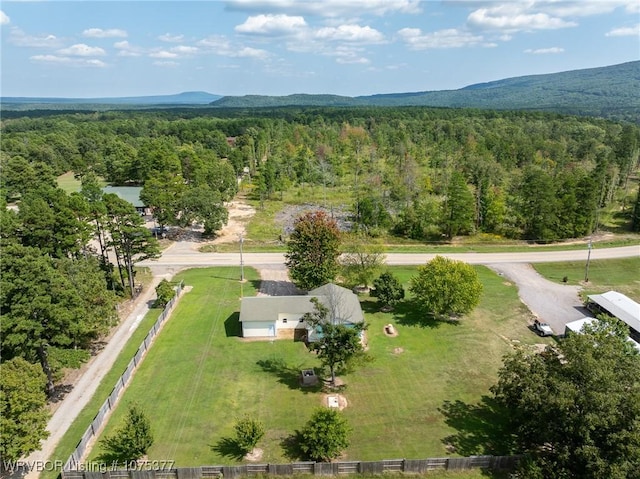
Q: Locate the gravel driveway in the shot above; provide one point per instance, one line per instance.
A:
(553, 303)
(274, 281)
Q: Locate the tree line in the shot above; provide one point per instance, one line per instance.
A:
(420, 173)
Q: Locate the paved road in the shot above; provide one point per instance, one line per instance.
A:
(175, 258)
(183, 255)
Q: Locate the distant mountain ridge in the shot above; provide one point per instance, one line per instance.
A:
(611, 91)
(185, 98)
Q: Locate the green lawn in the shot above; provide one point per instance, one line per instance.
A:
(68, 182)
(622, 275)
(200, 376)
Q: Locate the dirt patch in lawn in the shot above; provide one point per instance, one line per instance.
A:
(254, 455)
(390, 330)
(330, 400)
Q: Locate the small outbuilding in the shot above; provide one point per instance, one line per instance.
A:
(618, 306)
(578, 325)
(130, 194)
(308, 377)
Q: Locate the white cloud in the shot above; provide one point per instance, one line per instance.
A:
(82, 50)
(184, 50)
(68, 61)
(545, 51)
(326, 8)
(350, 33)
(163, 54)
(272, 25)
(100, 33)
(248, 52)
(582, 8)
(169, 38)
(632, 31)
(4, 18)
(449, 38)
(349, 60)
(128, 50)
(632, 6)
(214, 41)
(166, 63)
(220, 45)
(515, 17)
(21, 39)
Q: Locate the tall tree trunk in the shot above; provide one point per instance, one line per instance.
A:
(117, 253)
(46, 367)
(129, 264)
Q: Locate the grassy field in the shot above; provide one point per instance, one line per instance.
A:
(199, 377)
(622, 275)
(68, 182)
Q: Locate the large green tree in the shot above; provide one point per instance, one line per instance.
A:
(458, 209)
(361, 260)
(49, 302)
(337, 344)
(574, 409)
(163, 194)
(313, 249)
(54, 222)
(203, 205)
(130, 240)
(23, 412)
(444, 287)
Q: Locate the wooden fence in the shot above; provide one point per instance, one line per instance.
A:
(110, 403)
(407, 466)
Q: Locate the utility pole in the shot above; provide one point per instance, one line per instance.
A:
(241, 260)
(586, 271)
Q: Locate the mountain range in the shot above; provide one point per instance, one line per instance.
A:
(610, 92)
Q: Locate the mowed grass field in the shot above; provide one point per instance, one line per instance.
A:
(200, 376)
(622, 275)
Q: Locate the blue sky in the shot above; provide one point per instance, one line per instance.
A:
(278, 47)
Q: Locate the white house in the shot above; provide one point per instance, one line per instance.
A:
(282, 316)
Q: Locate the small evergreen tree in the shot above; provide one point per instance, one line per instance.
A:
(326, 435)
(388, 290)
(164, 293)
(248, 432)
(132, 440)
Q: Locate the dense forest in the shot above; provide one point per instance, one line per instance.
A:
(415, 172)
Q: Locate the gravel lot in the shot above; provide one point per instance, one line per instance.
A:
(553, 303)
(275, 281)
